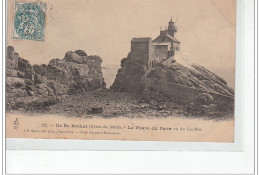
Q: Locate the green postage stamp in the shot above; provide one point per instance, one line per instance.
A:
(29, 21)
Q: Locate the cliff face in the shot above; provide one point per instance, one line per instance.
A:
(182, 82)
(43, 85)
(129, 76)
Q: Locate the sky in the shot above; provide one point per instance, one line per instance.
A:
(206, 30)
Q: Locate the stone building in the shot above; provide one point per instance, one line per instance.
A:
(142, 51)
(166, 45)
(146, 52)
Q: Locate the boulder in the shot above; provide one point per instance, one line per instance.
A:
(81, 52)
(204, 99)
(73, 57)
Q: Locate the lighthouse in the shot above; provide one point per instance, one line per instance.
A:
(166, 45)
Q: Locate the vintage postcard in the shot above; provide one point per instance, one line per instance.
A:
(150, 70)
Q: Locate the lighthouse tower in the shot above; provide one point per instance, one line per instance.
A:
(172, 28)
(166, 45)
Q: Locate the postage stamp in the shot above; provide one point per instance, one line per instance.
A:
(29, 21)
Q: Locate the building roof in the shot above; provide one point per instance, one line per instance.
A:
(139, 40)
(173, 39)
(161, 43)
(168, 36)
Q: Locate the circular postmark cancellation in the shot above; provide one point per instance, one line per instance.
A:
(29, 21)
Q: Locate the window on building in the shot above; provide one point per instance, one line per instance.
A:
(163, 38)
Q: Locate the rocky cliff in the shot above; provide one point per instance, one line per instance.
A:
(129, 76)
(178, 80)
(194, 76)
(43, 85)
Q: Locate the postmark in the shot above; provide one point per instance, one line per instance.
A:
(29, 21)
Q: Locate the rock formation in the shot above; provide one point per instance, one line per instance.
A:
(194, 76)
(188, 84)
(43, 85)
(129, 77)
(131, 74)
